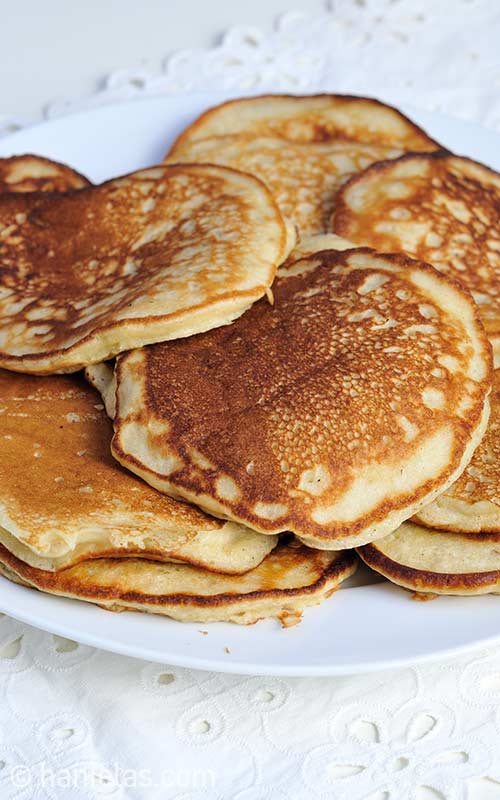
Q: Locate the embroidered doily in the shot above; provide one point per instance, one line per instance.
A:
(80, 723)
(435, 54)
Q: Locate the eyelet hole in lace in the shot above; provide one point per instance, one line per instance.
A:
(2, 765)
(165, 678)
(339, 771)
(11, 649)
(366, 731)
(63, 645)
(491, 683)
(264, 696)
(428, 793)
(421, 727)
(400, 763)
(200, 727)
(452, 757)
(63, 733)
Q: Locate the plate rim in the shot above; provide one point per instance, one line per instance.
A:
(183, 659)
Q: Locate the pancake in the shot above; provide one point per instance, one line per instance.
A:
(101, 377)
(303, 148)
(303, 177)
(335, 414)
(439, 208)
(472, 503)
(309, 118)
(310, 245)
(159, 254)
(287, 581)
(437, 562)
(29, 173)
(64, 498)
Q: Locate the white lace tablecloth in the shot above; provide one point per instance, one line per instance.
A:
(81, 723)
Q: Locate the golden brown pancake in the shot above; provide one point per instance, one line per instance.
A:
(440, 208)
(64, 498)
(437, 562)
(303, 148)
(335, 414)
(159, 254)
(303, 177)
(472, 503)
(310, 118)
(287, 581)
(29, 173)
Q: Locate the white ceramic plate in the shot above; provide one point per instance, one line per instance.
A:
(362, 627)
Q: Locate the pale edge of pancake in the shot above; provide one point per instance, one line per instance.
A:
(102, 378)
(227, 551)
(426, 581)
(243, 608)
(455, 515)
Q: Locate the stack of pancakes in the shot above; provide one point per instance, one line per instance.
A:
(226, 376)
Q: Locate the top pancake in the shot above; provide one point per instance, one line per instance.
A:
(335, 414)
(29, 173)
(440, 208)
(303, 148)
(309, 118)
(472, 503)
(64, 498)
(158, 254)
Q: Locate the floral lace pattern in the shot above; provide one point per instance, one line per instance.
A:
(346, 50)
(80, 723)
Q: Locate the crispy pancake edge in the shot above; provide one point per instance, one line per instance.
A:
(244, 608)
(426, 581)
(191, 132)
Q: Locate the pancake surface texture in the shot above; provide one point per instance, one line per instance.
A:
(159, 254)
(472, 503)
(29, 173)
(303, 177)
(287, 581)
(303, 148)
(336, 414)
(436, 561)
(64, 498)
(439, 208)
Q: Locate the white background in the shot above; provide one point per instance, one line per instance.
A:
(51, 49)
